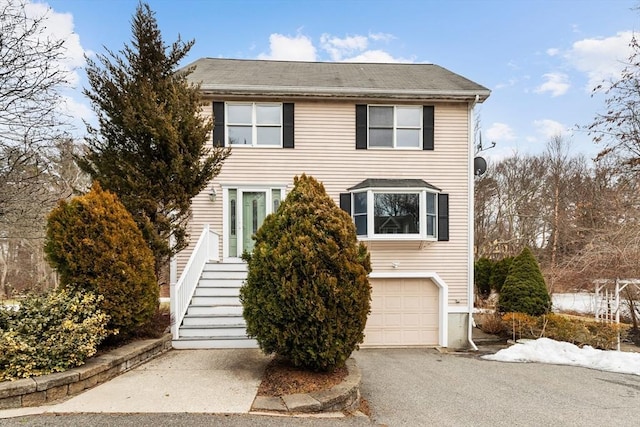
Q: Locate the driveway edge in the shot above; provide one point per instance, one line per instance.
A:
(46, 389)
(341, 397)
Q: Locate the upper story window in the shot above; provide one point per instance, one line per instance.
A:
(254, 124)
(395, 127)
(398, 209)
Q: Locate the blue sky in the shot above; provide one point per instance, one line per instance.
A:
(539, 58)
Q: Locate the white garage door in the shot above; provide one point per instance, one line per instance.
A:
(404, 312)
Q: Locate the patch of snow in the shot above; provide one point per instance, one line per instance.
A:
(545, 350)
(585, 302)
(582, 302)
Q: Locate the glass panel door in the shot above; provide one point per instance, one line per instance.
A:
(246, 210)
(254, 210)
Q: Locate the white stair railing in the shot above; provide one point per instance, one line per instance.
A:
(205, 250)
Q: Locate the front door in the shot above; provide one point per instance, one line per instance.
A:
(246, 210)
(254, 209)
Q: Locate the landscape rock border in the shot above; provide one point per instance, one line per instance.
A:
(343, 397)
(47, 389)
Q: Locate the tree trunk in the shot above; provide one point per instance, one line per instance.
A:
(3, 273)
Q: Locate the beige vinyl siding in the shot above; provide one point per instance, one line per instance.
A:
(325, 149)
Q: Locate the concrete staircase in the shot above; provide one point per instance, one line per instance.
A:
(214, 317)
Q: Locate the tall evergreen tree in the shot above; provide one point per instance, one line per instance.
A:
(150, 144)
(524, 290)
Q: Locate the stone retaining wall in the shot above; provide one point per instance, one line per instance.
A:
(343, 397)
(36, 391)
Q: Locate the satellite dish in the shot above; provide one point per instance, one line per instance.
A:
(479, 166)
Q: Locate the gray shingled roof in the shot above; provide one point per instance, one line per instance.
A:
(332, 79)
(393, 183)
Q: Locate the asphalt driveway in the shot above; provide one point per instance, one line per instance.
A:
(415, 387)
(405, 387)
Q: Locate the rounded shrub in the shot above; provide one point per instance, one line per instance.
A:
(307, 295)
(50, 333)
(482, 274)
(94, 244)
(499, 273)
(524, 290)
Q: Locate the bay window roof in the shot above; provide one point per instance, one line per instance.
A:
(393, 183)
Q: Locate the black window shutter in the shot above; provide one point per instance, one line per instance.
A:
(427, 127)
(345, 202)
(218, 124)
(287, 125)
(443, 217)
(361, 127)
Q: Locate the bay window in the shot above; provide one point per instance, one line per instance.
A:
(388, 209)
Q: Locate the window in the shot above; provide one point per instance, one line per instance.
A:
(252, 124)
(395, 127)
(397, 209)
(275, 197)
(360, 212)
(249, 124)
(233, 214)
(431, 214)
(396, 213)
(406, 213)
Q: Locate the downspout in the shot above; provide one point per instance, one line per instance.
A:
(471, 238)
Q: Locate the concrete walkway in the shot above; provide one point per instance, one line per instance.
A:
(193, 381)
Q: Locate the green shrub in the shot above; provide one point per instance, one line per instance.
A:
(94, 244)
(499, 273)
(562, 328)
(307, 295)
(50, 333)
(482, 269)
(524, 290)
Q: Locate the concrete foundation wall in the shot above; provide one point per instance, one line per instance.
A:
(458, 334)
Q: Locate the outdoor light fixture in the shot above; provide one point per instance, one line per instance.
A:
(212, 194)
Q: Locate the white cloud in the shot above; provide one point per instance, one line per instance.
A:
(499, 132)
(59, 26)
(79, 111)
(512, 64)
(290, 48)
(550, 128)
(353, 48)
(553, 51)
(384, 37)
(339, 47)
(510, 83)
(556, 83)
(375, 56)
(601, 59)
(356, 48)
(499, 153)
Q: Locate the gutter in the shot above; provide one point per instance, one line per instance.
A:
(471, 226)
(342, 93)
